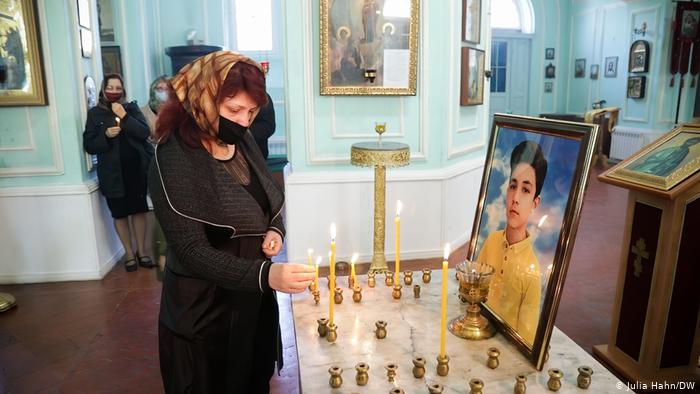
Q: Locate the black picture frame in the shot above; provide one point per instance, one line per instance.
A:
(595, 68)
(549, 53)
(580, 68)
(472, 84)
(550, 71)
(84, 13)
(639, 57)
(548, 87)
(86, 43)
(112, 60)
(636, 87)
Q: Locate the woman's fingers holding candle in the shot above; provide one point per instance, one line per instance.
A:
(290, 277)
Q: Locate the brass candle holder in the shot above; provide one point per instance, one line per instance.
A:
(362, 376)
(520, 387)
(396, 293)
(426, 275)
(357, 293)
(418, 367)
(322, 327)
(584, 376)
(317, 296)
(338, 296)
(371, 281)
(474, 280)
(493, 354)
(443, 366)
(554, 382)
(351, 282)
(408, 278)
(416, 291)
(332, 333)
(389, 278)
(380, 332)
(396, 390)
(476, 385)
(435, 388)
(391, 369)
(336, 379)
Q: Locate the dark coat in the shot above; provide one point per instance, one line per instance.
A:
(134, 129)
(263, 127)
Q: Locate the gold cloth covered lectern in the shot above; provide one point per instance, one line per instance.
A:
(379, 155)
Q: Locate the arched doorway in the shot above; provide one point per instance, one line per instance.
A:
(512, 27)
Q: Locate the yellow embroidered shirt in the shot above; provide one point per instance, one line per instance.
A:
(514, 293)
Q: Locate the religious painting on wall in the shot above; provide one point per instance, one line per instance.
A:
(530, 200)
(549, 53)
(549, 71)
(112, 60)
(594, 71)
(611, 67)
(636, 87)
(368, 47)
(472, 86)
(580, 68)
(639, 57)
(21, 64)
(471, 21)
(664, 163)
(548, 87)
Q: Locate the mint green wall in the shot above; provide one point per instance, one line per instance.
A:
(56, 129)
(603, 28)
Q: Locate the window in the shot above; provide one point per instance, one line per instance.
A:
(499, 58)
(516, 15)
(253, 25)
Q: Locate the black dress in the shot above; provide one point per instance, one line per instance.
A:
(216, 353)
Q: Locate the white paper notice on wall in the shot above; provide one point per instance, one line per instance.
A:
(396, 67)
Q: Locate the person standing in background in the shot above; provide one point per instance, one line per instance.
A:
(263, 127)
(116, 131)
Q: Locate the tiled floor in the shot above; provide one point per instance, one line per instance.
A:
(100, 336)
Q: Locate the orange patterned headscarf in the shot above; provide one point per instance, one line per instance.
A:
(197, 86)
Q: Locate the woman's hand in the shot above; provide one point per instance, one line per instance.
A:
(272, 244)
(290, 277)
(118, 110)
(113, 131)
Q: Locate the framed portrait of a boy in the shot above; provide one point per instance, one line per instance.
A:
(528, 210)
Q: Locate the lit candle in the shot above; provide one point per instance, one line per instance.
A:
(331, 277)
(318, 261)
(353, 260)
(309, 252)
(443, 303)
(397, 220)
(118, 120)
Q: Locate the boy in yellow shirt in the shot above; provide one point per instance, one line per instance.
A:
(514, 293)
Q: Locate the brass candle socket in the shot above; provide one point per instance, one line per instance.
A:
(408, 278)
(416, 291)
(371, 282)
(418, 367)
(554, 382)
(584, 376)
(396, 390)
(474, 280)
(357, 293)
(426, 275)
(435, 388)
(443, 366)
(391, 369)
(476, 385)
(317, 296)
(520, 387)
(351, 282)
(380, 333)
(336, 376)
(396, 293)
(362, 376)
(332, 333)
(322, 327)
(493, 354)
(338, 297)
(389, 278)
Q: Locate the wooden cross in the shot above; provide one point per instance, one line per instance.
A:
(639, 250)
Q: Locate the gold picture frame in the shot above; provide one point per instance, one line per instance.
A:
(21, 64)
(664, 163)
(546, 222)
(472, 86)
(368, 47)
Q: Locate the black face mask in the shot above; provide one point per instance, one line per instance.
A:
(229, 131)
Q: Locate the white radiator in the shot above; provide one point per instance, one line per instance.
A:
(626, 141)
(277, 146)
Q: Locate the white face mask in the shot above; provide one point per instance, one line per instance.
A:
(162, 96)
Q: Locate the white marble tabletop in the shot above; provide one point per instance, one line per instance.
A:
(414, 330)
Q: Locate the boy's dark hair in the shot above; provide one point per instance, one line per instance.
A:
(529, 152)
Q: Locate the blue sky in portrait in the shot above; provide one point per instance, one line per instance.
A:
(561, 154)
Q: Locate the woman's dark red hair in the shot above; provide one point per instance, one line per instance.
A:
(173, 119)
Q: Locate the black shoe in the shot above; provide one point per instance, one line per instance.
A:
(146, 262)
(130, 265)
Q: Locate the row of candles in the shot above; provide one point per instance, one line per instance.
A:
(397, 271)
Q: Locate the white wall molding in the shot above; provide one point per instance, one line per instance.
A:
(57, 190)
(654, 47)
(147, 66)
(570, 77)
(356, 134)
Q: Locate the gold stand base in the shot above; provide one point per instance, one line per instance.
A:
(7, 301)
(470, 327)
(378, 264)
